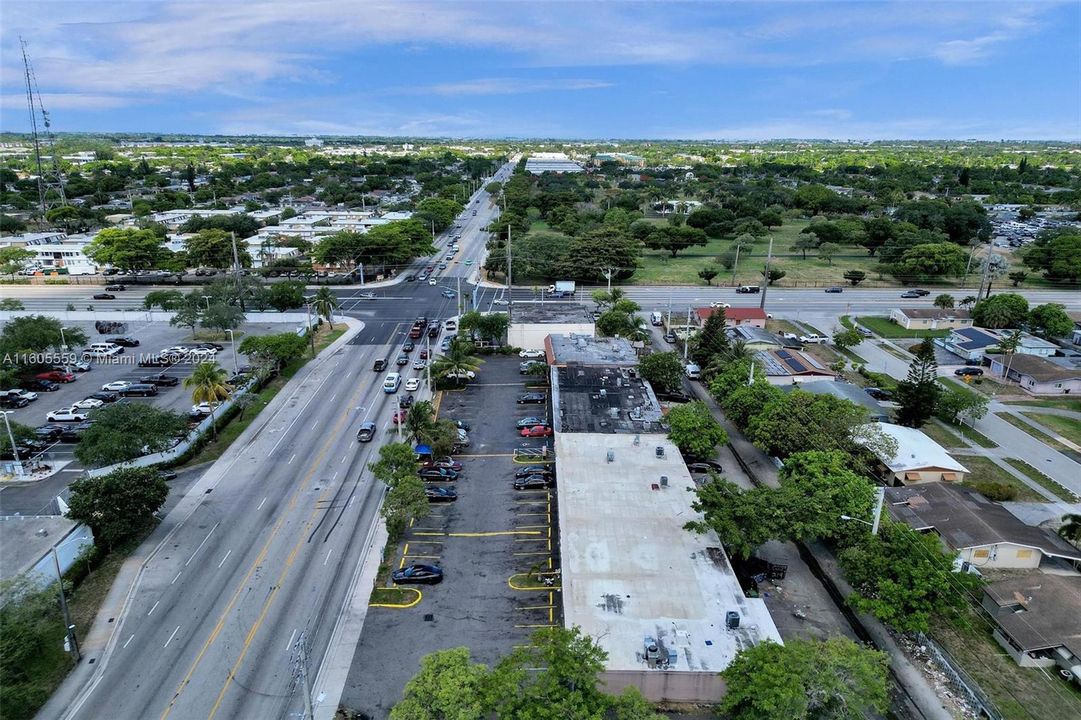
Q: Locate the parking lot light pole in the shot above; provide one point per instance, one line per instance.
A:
(232, 346)
(70, 642)
(11, 439)
(207, 298)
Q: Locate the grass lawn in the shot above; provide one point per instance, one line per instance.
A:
(1020, 693)
(1038, 434)
(942, 435)
(1044, 481)
(982, 469)
(1069, 428)
(882, 327)
(1061, 403)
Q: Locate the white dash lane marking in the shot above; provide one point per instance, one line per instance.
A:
(225, 558)
(351, 501)
(172, 636)
(261, 504)
(202, 543)
(177, 577)
(327, 557)
(290, 643)
(335, 475)
(315, 425)
(129, 640)
(292, 459)
(344, 458)
(153, 609)
(334, 396)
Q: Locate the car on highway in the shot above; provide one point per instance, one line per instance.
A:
(408, 346)
(910, 294)
(704, 466)
(444, 462)
(835, 289)
(921, 292)
(104, 296)
(968, 372)
(445, 344)
(440, 493)
(433, 331)
(533, 482)
(423, 354)
(24, 394)
(116, 386)
(88, 404)
(412, 384)
(366, 432)
(536, 431)
(115, 288)
(419, 364)
(410, 278)
(42, 385)
(402, 359)
(399, 416)
(13, 401)
(501, 301)
(719, 304)
(442, 265)
(418, 574)
(468, 262)
(57, 376)
(878, 393)
(530, 422)
(448, 294)
(379, 365)
(532, 470)
(743, 289)
(437, 474)
(531, 353)
(68, 414)
(532, 398)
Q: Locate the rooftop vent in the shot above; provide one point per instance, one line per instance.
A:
(611, 456)
(660, 451)
(664, 481)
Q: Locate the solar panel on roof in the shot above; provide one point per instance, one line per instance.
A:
(796, 365)
(784, 354)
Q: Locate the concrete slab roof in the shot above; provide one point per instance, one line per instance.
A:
(630, 571)
(26, 540)
(604, 399)
(552, 312)
(586, 350)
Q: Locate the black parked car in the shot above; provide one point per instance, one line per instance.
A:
(41, 385)
(116, 288)
(968, 372)
(124, 341)
(440, 494)
(139, 390)
(674, 396)
(533, 482)
(13, 401)
(405, 402)
(434, 474)
(532, 399)
(533, 470)
(418, 575)
(878, 393)
(49, 433)
(74, 433)
(460, 424)
(705, 466)
(104, 296)
(105, 396)
(161, 380)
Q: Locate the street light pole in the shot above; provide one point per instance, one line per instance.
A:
(207, 298)
(311, 332)
(880, 495)
(232, 347)
(687, 335)
(71, 643)
(765, 277)
(11, 439)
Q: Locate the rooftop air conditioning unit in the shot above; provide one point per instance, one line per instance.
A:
(611, 456)
(660, 451)
(731, 619)
(664, 481)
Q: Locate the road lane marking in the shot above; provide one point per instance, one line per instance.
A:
(344, 458)
(172, 636)
(129, 640)
(153, 609)
(327, 557)
(292, 459)
(261, 504)
(225, 558)
(315, 425)
(290, 643)
(177, 577)
(201, 545)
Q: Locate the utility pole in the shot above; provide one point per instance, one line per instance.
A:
(687, 335)
(459, 296)
(236, 272)
(608, 276)
(428, 365)
(311, 331)
(765, 276)
(510, 285)
(735, 265)
(880, 495)
(986, 272)
(11, 439)
(71, 643)
(398, 417)
(669, 323)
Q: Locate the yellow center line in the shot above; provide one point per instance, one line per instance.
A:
(258, 561)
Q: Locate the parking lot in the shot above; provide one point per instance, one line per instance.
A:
(493, 544)
(39, 497)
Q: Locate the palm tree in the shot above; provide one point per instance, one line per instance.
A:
(324, 303)
(458, 360)
(207, 384)
(420, 421)
(1071, 527)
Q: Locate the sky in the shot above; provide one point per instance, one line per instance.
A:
(594, 70)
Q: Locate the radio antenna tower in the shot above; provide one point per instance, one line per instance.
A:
(50, 181)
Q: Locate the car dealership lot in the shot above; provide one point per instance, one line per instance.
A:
(486, 542)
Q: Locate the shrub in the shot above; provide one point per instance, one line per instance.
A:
(999, 492)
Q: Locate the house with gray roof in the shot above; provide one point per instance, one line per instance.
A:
(849, 392)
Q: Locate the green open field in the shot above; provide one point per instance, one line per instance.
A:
(1047, 483)
(981, 470)
(1068, 428)
(882, 327)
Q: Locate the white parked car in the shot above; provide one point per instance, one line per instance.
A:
(204, 408)
(501, 301)
(531, 354)
(88, 404)
(24, 394)
(456, 375)
(412, 384)
(719, 304)
(812, 338)
(68, 414)
(116, 386)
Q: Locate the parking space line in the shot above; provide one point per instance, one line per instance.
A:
(534, 607)
(426, 557)
(524, 554)
(543, 625)
(533, 539)
(540, 514)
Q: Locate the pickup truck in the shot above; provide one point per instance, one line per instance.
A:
(812, 338)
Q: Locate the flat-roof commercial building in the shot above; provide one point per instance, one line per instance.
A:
(532, 322)
(663, 602)
(553, 162)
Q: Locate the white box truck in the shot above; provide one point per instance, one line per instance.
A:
(562, 288)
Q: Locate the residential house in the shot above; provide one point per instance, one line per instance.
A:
(755, 338)
(734, 316)
(785, 367)
(1038, 620)
(849, 392)
(931, 318)
(984, 534)
(918, 458)
(1038, 375)
(970, 343)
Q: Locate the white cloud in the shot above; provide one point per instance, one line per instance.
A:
(68, 101)
(502, 86)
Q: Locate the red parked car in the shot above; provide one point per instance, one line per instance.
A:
(537, 431)
(56, 376)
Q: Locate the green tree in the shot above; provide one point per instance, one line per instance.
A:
(207, 383)
(827, 250)
(14, 258)
(286, 295)
(125, 431)
(163, 299)
(220, 316)
(663, 370)
(119, 505)
(855, 277)
(806, 241)
(325, 303)
(20, 432)
(742, 520)
(847, 338)
(673, 239)
(1005, 310)
(11, 304)
(744, 401)
(126, 249)
(773, 275)
(214, 249)
(799, 421)
(36, 334)
(1050, 321)
(711, 341)
(931, 260)
(1057, 254)
(694, 430)
(448, 686)
(458, 361)
(708, 274)
(405, 499)
(944, 301)
(817, 487)
(918, 394)
(1018, 277)
(420, 422)
(1071, 527)
(276, 351)
(904, 577)
(805, 680)
(957, 406)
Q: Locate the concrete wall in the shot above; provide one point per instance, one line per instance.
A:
(667, 685)
(1003, 555)
(530, 336)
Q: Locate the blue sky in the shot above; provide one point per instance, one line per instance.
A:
(695, 70)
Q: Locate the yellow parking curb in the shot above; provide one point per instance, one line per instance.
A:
(510, 582)
(399, 606)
